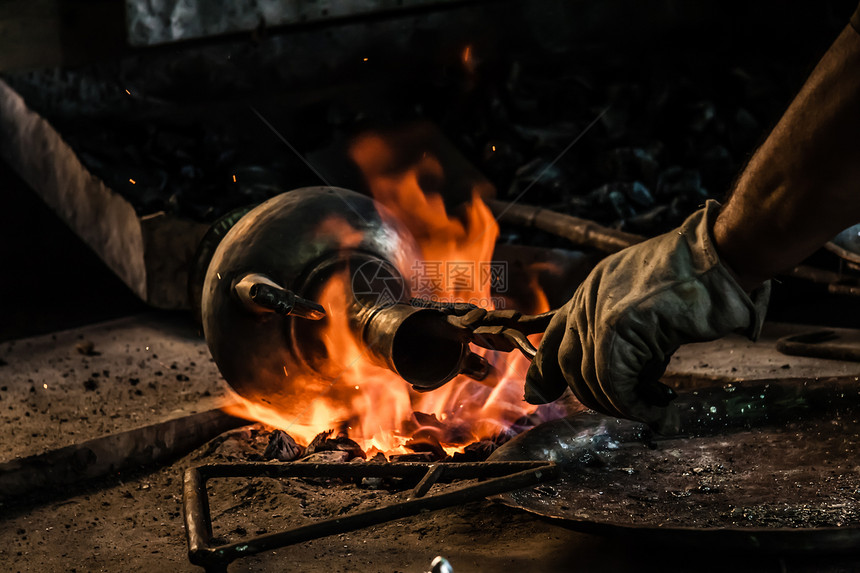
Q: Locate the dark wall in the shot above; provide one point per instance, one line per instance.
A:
(49, 279)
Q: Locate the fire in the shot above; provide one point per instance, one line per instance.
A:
(375, 405)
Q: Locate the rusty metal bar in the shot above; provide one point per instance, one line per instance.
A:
(508, 476)
(827, 344)
(431, 477)
(579, 231)
(836, 282)
(198, 523)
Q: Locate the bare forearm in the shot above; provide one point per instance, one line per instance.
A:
(803, 185)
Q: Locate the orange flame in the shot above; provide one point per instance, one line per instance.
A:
(375, 404)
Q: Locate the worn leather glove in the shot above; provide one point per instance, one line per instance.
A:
(612, 341)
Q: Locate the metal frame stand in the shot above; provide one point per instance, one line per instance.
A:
(500, 477)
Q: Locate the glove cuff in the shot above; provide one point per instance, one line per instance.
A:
(701, 238)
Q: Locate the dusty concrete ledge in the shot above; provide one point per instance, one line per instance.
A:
(139, 371)
(736, 358)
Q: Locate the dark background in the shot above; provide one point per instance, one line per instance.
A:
(49, 280)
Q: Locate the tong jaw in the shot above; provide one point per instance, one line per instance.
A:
(503, 330)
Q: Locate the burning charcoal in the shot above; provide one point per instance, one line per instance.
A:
(378, 458)
(344, 444)
(457, 432)
(326, 457)
(416, 457)
(323, 443)
(282, 447)
(426, 440)
(423, 419)
(476, 452)
(318, 441)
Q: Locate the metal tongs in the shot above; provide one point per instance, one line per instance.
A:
(503, 330)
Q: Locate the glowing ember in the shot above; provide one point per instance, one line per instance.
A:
(380, 410)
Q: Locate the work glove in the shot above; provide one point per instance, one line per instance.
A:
(612, 341)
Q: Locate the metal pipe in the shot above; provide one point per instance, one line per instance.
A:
(576, 230)
(416, 343)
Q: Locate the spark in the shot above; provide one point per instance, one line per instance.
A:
(234, 178)
(494, 148)
(356, 387)
(219, 278)
(45, 386)
(128, 92)
(133, 182)
(287, 374)
(365, 59)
